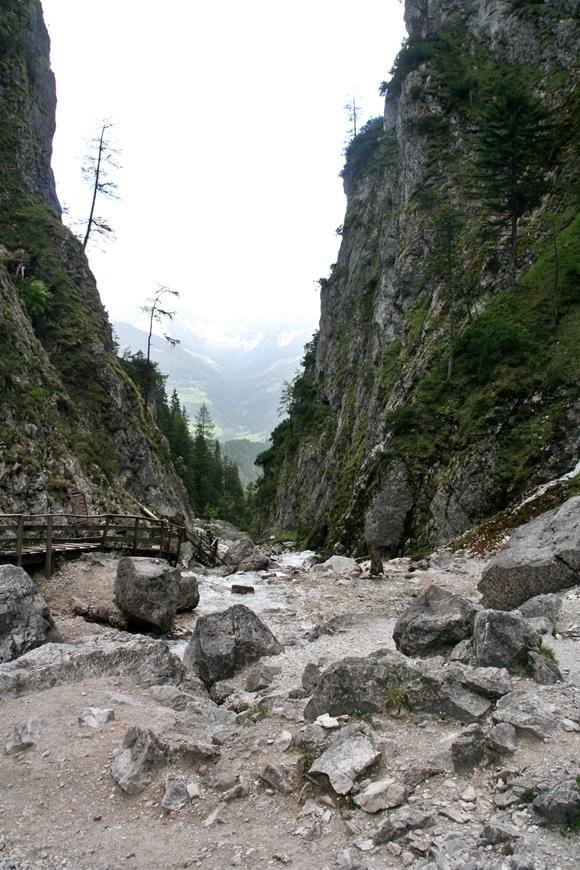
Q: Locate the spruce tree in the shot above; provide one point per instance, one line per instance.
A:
(511, 155)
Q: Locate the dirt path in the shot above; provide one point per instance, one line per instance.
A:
(59, 806)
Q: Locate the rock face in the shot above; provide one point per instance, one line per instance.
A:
(68, 412)
(25, 621)
(541, 556)
(387, 450)
(223, 642)
(148, 591)
(146, 661)
(437, 619)
(503, 640)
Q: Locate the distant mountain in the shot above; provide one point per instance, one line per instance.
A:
(240, 381)
(243, 453)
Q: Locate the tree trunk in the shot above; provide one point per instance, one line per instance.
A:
(95, 189)
(514, 250)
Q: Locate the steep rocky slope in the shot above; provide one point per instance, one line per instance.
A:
(382, 442)
(69, 416)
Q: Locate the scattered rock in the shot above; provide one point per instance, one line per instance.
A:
(489, 682)
(283, 741)
(23, 737)
(171, 696)
(241, 589)
(358, 685)
(342, 565)
(525, 712)
(25, 621)
(545, 670)
(94, 717)
(345, 760)
(467, 749)
(221, 690)
(495, 833)
(139, 658)
(176, 793)
(276, 777)
(188, 595)
(148, 591)
(349, 860)
(400, 821)
(463, 652)
(542, 607)
(436, 620)
(214, 816)
(142, 754)
(328, 722)
(502, 739)
(560, 805)
(436, 693)
(541, 556)
(384, 794)
(260, 677)
(311, 677)
(503, 640)
(223, 642)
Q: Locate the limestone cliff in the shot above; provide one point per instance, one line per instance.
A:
(381, 442)
(69, 416)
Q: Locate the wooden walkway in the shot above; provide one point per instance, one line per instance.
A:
(36, 539)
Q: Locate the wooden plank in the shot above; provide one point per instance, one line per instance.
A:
(135, 535)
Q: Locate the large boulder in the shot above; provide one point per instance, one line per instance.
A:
(148, 591)
(358, 685)
(242, 555)
(188, 592)
(436, 620)
(142, 659)
(25, 621)
(541, 556)
(503, 640)
(223, 642)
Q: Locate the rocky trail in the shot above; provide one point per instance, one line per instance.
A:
(339, 751)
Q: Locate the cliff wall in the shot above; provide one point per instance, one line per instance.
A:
(69, 415)
(381, 442)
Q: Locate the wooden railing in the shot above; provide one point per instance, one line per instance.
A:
(26, 538)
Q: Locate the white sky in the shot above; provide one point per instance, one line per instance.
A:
(231, 123)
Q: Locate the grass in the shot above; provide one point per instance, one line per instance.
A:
(394, 699)
(529, 795)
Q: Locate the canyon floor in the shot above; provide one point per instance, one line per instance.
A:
(60, 807)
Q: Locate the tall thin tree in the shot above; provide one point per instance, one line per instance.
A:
(157, 314)
(98, 163)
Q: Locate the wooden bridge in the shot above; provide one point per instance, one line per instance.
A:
(36, 539)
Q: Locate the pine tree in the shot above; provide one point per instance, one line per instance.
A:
(511, 155)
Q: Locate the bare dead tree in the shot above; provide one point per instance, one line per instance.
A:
(353, 113)
(157, 314)
(101, 159)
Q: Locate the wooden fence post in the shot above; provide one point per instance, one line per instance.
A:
(19, 534)
(48, 561)
(135, 535)
(105, 532)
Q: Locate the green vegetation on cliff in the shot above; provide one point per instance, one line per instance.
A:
(448, 387)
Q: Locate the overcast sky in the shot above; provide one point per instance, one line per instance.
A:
(230, 120)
